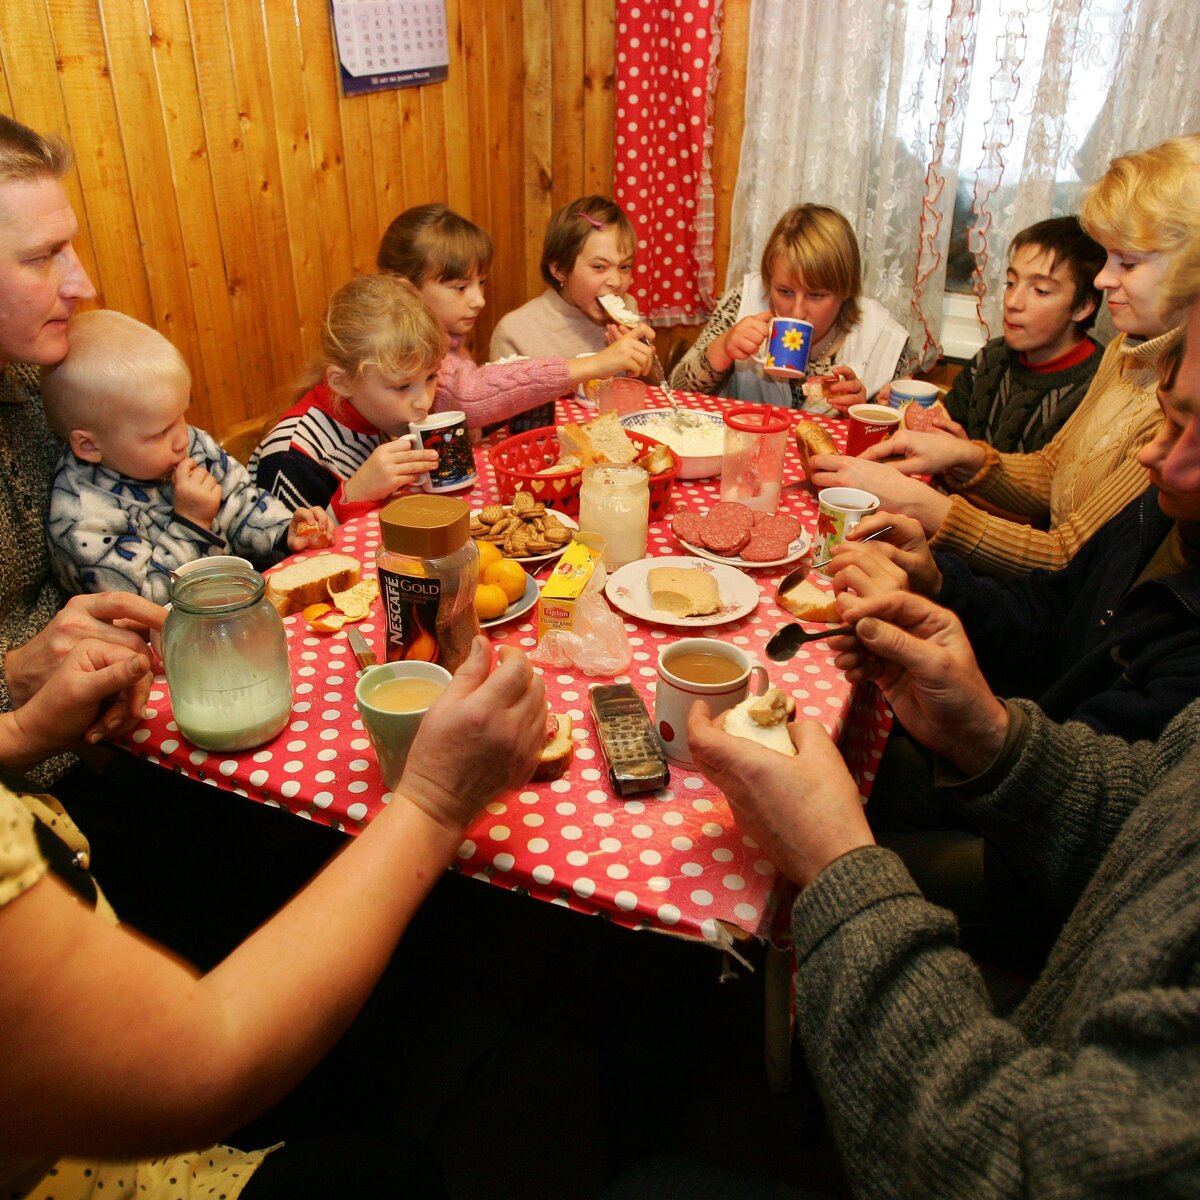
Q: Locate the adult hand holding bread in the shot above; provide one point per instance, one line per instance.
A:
(920, 657)
(483, 736)
(122, 619)
(804, 811)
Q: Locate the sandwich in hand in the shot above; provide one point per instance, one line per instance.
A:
(811, 440)
(764, 719)
(559, 748)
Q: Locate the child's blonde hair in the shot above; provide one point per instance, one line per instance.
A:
(432, 242)
(378, 321)
(1147, 201)
(573, 224)
(109, 356)
(816, 244)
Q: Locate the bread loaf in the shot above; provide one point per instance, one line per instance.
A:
(683, 591)
(311, 580)
(809, 602)
(811, 439)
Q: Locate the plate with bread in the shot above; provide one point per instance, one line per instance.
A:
(683, 592)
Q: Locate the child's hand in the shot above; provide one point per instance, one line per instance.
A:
(625, 354)
(843, 388)
(197, 494)
(392, 465)
(310, 529)
(614, 332)
(739, 342)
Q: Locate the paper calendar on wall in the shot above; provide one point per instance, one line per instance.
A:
(390, 43)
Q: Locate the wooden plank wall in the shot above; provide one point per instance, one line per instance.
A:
(225, 187)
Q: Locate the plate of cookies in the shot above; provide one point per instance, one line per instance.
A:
(525, 530)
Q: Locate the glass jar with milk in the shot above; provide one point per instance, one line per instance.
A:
(614, 501)
(225, 652)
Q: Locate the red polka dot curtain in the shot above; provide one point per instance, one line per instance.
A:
(666, 77)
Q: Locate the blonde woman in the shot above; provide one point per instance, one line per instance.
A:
(1141, 211)
(811, 269)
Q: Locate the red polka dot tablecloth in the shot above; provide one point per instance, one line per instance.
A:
(669, 860)
(666, 78)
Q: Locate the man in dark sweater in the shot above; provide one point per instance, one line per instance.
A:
(1092, 1087)
(1019, 390)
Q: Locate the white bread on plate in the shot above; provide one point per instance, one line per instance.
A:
(310, 581)
(683, 591)
(809, 603)
(558, 750)
(764, 719)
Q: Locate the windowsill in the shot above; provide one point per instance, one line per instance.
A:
(962, 335)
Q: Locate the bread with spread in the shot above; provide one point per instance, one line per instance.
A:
(559, 748)
(809, 602)
(764, 719)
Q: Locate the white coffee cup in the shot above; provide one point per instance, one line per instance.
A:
(392, 732)
(447, 433)
(674, 693)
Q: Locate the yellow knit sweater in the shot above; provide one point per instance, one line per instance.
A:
(1085, 475)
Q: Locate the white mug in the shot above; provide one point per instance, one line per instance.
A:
(674, 693)
(392, 732)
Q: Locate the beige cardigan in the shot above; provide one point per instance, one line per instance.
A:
(1084, 476)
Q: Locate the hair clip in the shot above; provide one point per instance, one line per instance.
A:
(591, 220)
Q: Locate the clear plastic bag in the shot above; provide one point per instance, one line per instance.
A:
(597, 643)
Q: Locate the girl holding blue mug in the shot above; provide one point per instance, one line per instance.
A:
(811, 271)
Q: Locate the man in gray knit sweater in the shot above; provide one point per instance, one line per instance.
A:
(1092, 1088)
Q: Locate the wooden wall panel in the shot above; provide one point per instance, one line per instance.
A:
(225, 187)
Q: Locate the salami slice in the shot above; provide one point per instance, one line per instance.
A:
(765, 547)
(687, 526)
(727, 527)
(922, 420)
(778, 525)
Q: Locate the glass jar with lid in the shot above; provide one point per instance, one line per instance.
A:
(428, 570)
(756, 438)
(224, 648)
(614, 501)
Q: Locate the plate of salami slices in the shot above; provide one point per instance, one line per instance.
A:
(741, 537)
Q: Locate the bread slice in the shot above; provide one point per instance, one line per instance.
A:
(809, 602)
(764, 719)
(610, 442)
(683, 591)
(812, 439)
(558, 751)
(309, 581)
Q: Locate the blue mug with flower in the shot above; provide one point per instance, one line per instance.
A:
(788, 346)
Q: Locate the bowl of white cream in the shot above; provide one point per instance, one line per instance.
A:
(698, 438)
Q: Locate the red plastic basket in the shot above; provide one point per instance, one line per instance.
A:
(517, 461)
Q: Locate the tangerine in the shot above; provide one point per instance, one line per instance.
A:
(509, 576)
(489, 553)
(490, 601)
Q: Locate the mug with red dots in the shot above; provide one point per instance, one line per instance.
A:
(699, 669)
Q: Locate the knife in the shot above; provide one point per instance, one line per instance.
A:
(361, 648)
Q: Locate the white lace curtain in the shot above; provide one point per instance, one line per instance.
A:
(879, 106)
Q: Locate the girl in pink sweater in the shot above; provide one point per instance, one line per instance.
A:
(447, 258)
